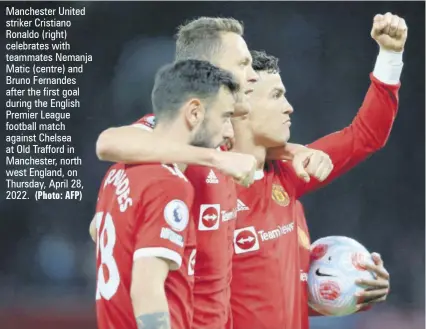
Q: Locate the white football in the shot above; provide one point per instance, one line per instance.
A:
(335, 265)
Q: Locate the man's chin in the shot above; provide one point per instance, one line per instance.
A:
(286, 137)
(279, 142)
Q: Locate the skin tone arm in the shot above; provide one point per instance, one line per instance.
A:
(285, 153)
(148, 295)
(147, 290)
(118, 145)
(130, 144)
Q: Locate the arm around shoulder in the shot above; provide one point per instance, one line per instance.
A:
(131, 144)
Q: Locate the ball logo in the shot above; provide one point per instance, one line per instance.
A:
(209, 217)
(279, 195)
(176, 215)
(303, 238)
(329, 290)
(245, 240)
(357, 261)
(318, 251)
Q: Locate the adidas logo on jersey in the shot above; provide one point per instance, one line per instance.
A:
(211, 178)
(241, 206)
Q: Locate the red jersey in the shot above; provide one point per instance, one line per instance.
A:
(266, 289)
(143, 211)
(304, 262)
(266, 272)
(214, 213)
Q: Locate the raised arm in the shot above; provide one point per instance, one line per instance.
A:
(370, 129)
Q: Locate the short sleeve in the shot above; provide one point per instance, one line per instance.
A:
(163, 220)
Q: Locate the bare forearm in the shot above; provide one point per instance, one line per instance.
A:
(158, 320)
(149, 300)
(151, 309)
(134, 145)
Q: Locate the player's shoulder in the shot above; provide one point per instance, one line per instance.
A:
(141, 176)
(157, 172)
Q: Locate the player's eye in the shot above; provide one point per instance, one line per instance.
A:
(278, 95)
(245, 62)
(228, 114)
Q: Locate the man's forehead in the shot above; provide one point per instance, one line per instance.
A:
(234, 42)
(269, 81)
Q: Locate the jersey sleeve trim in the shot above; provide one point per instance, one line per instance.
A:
(141, 126)
(388, 67)
(160, 252)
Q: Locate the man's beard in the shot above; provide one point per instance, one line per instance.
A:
(203, 138)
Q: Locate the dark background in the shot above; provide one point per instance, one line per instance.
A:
(326, 53)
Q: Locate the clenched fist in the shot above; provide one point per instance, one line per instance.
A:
(237, 165)
(309, 162)
(389, 31)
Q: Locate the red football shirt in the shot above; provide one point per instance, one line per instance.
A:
(143, 211)
(266, 289)
(266, 272)
(304, 262)
(214, 213)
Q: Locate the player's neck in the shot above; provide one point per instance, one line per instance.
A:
(248, 146)
(173, 132)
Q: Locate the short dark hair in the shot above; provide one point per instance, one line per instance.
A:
(264, 62)
(176, 83)
(201, 37)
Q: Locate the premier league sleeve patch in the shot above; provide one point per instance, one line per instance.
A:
(176, 214)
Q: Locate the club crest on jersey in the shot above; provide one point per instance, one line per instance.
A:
(245, 240)
(209, 217)
(176, 215)
(303, 238)
(279, 195)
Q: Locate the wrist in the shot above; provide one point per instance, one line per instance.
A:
(388, 67)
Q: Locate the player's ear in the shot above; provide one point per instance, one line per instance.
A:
(194, 112)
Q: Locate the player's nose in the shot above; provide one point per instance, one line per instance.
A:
(228, 131)
(252, 76)
(288, 109)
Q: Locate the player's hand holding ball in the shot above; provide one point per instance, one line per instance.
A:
(389, 31)
(377, 289)
(336, 263)
(344, 277)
